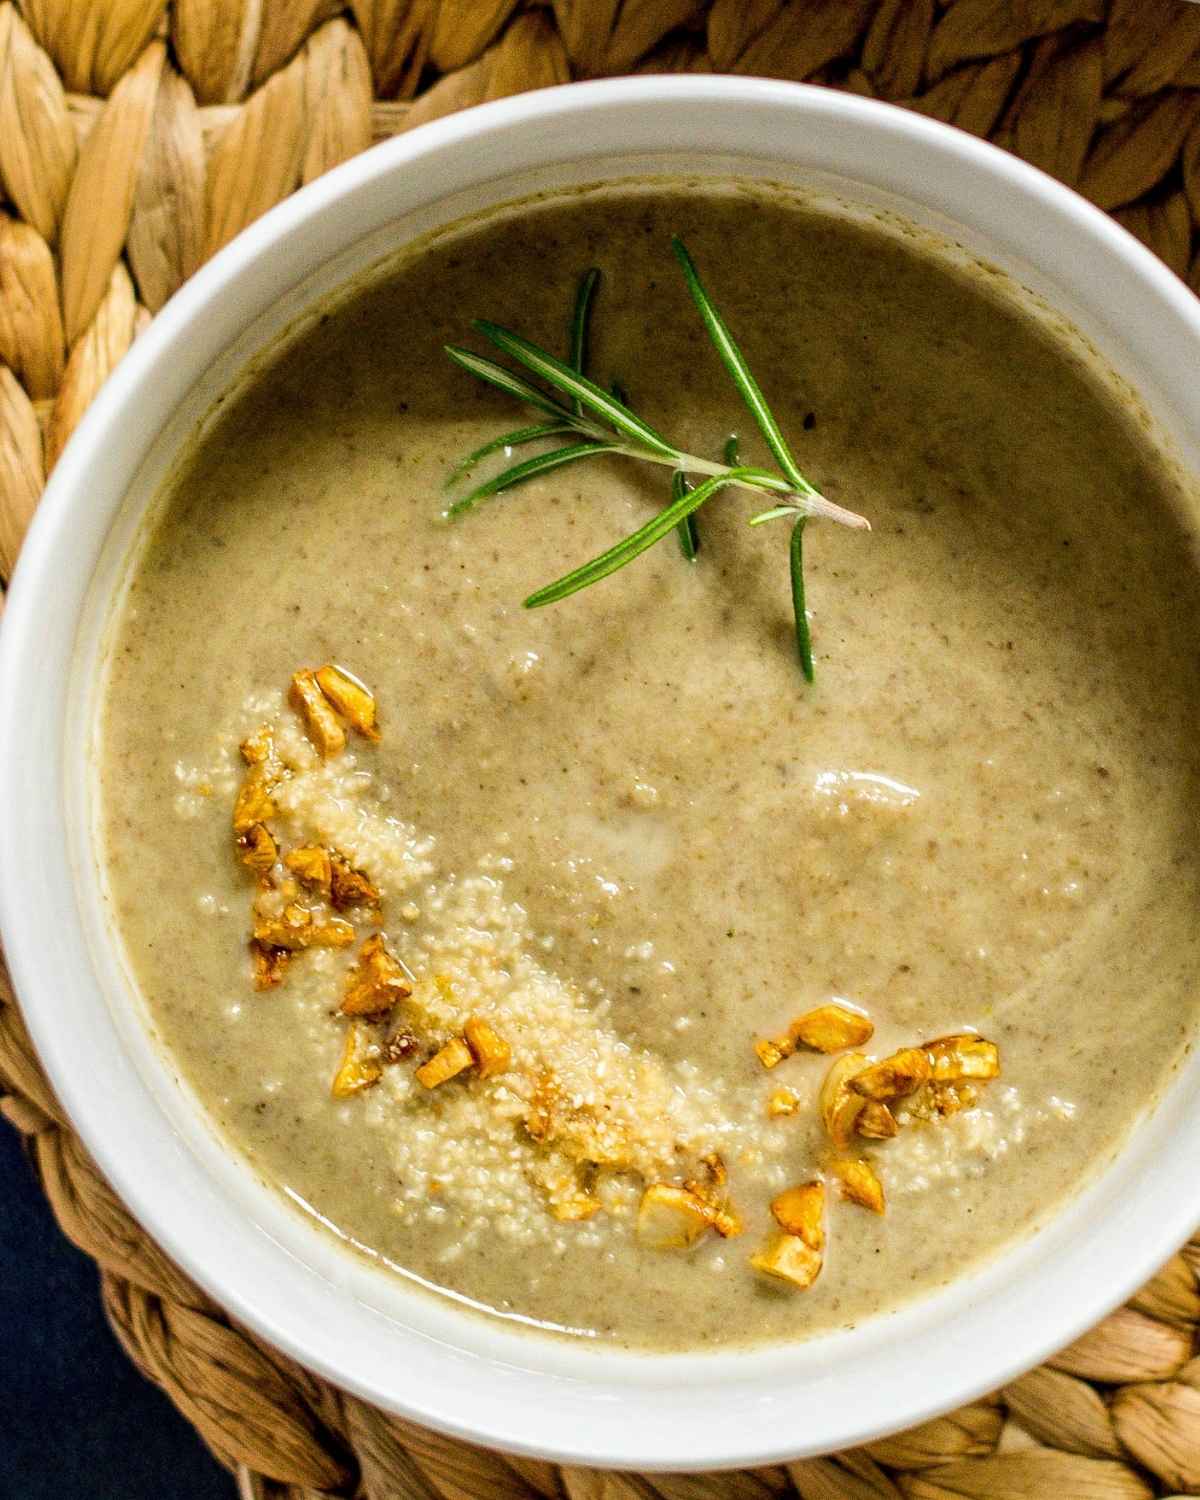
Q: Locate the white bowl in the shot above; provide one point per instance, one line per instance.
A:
(402, 1349)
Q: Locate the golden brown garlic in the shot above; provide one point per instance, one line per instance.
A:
(352, 699)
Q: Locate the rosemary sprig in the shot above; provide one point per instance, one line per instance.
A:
(603, 421)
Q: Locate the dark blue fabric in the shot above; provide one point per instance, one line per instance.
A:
(75, 1417)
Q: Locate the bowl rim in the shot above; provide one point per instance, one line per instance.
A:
(617, 1424)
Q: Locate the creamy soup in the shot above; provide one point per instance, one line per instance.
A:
(601, 849)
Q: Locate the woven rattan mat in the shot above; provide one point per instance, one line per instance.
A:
(136, 137)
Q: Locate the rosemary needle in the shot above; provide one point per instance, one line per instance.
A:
(689, 537)
(530, 469)
(506, 442)
(796, 567)
(634, 545)
(580, 327)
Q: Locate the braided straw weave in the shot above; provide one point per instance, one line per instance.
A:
(136, 137)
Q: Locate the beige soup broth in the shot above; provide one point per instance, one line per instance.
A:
(604, 972)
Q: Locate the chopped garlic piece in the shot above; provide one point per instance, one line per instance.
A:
(877, 1122)
(254, 804)
(830, 1028)
(268, 964)
(259, 849)
(357, 1070)
(902, 1073)
(787, 1258)
(376, 982)
(491, 1052)
(710, 1192)
(859, 1182)
(772, 1053)
(296, 929)
(670, 1218)
(447, 1063)
(840, 1107)
(782, 1102)
(350, 697)
(322, 725)
(952, 1058)
(348, 886)
(801, 1210)
(310, 865)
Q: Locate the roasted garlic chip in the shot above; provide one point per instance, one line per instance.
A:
(902, 1073)
(801, 1210)
(710, 1190)
(831, 1028)
(671, 1218)
(828, 1028)
(491, 1052)
(446, 1063)
(840, 1105)
(772, 1051)
(311, 867)
(357, 1070)
(268, 964)
(254, 804)
(782, 1102)
(259, 849)
(350, 697)
(877, 1122)
(348, 886)
(787, 1258)
(859, 1182)
(295, 928)
(322, 725)
(376, 982)
(952, 1058)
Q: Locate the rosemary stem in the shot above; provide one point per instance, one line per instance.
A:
(812, 503)
(808, 501)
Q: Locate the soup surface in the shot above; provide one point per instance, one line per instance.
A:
(622, 830)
